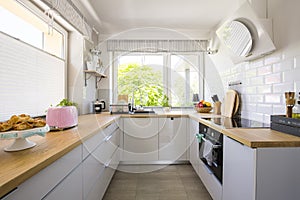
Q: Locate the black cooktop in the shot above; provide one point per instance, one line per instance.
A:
(227, 122)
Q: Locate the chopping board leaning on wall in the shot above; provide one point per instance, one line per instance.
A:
(231, 104)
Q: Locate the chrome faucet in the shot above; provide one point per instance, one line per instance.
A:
(131, 105)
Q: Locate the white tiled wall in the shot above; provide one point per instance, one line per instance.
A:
(264, 82)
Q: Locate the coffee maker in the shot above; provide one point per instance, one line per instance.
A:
(99, 106)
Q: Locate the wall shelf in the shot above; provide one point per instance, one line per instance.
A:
(98, 76)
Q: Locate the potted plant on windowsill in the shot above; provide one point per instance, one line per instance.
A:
(165, 103)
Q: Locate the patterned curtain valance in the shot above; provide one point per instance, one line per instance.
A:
(157, 45)
(71, 13)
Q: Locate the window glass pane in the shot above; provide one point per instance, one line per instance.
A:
(141, 75)
(184, 79)
(21, 23)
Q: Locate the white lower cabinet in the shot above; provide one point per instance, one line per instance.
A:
(99, 167)
(82, 174)
(260, 174)
(42, 183)
(69, 188)
(140, 140)
(211, 183)
(173, 139)
(194, 145)
(238, 171)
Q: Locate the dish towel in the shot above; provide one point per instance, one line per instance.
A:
(207, 152)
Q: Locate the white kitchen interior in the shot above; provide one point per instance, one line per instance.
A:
(74, 124)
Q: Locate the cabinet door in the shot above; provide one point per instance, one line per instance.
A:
(172, 139)
(194, 145)
(239, 163)
(69, 188)
(40, 184)
(140, 140)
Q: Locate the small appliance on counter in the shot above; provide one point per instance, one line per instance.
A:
(60, 118)
(99, 106)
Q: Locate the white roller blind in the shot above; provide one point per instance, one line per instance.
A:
(30, 79)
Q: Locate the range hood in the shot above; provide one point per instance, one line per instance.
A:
(245, 36)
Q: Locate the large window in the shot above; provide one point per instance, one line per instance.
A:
(153, 78)
(31, 78)
(23, 24)
(141, 76)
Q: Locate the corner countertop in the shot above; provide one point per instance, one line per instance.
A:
(252, 137)
(16, 167)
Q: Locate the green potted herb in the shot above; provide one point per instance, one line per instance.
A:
(165, 103)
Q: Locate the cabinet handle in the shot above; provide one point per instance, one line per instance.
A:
(200, 137)
(207, 169)
(108, 138)
(106, 165)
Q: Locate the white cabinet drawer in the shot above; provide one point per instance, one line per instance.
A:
(98, 189)
(92, 169)
(69, 188)
(40, 184)
(110, 129)
(91, 144)
(104, 152)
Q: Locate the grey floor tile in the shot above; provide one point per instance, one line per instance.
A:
(129, 195)
(170, 182)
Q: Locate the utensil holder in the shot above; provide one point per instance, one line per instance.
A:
(217, 108)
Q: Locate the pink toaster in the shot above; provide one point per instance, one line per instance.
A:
(62, 117)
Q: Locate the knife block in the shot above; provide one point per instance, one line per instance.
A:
(217, 108)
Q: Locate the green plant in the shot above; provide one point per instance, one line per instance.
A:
(142, 81)
(66, 102)
(165, 101)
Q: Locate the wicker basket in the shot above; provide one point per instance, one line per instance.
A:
(203, 109)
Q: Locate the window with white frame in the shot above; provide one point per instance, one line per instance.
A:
(152, 76)
(32, 64)
(24, 24)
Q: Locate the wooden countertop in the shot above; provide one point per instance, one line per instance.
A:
(252, 137)
(16, 167)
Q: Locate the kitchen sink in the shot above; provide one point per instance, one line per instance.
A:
(144, 112)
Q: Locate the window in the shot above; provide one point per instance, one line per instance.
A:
(184, 79)
(23, 24)
(152, 76)
(141, 75)
(31, 78)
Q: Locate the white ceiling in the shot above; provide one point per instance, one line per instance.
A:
(198, 17)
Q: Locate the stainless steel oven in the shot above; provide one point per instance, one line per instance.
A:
(211, 150)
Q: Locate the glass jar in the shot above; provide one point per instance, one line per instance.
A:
(296, 110)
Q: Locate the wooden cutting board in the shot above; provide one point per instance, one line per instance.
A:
(231, 103)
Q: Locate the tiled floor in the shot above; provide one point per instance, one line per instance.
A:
(169, 183)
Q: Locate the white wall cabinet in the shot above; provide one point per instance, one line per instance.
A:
(140, 140)
(173, 139)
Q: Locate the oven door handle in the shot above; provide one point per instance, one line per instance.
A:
(201, 137)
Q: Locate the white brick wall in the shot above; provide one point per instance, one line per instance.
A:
(264, 82)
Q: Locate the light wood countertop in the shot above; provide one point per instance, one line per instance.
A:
(16, 167)
(252, 137)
